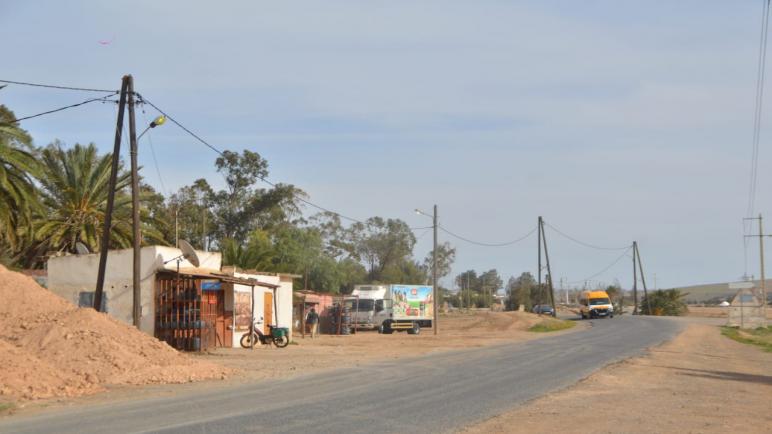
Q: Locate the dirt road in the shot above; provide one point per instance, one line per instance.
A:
(700, 382)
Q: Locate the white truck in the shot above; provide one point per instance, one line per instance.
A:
(392, 307)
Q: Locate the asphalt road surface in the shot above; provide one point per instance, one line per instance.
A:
(434, 393)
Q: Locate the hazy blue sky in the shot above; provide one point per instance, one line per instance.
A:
(615, 120)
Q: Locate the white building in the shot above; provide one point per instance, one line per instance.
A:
(198, 308)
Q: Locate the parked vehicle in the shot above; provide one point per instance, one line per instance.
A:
(389, 308)
(279, 336)
(543, 309)
(595, 304)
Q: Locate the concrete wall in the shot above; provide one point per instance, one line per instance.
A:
(68, 276)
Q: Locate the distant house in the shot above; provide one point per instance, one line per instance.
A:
(197, 308)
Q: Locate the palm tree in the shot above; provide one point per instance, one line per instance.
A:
(17, 192)
(74, 190)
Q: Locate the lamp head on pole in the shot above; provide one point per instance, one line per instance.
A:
(160, 120)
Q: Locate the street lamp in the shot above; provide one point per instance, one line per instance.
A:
(160, 120)
(435, 322)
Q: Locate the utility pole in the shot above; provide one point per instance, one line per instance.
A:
(105, 244)
(541, 290)
(136, 263)
(635, 279)
(468, 293)
(643, 280)
(549, 270)
(763, 278)
(763, 282)
(435, 322)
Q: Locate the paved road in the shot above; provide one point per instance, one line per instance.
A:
(435, 393)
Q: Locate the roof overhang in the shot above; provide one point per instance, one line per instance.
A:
(215, 274)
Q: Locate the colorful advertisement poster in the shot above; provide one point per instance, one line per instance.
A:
(412, 301)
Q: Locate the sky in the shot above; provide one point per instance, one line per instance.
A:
(614, 120)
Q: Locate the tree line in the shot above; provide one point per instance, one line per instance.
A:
(54, 196)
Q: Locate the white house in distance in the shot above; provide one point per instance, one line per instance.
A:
(197, 308)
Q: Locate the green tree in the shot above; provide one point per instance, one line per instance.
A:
(382, 244)
(74, 186)
(446, 255)
(18, 164)
(242, 207)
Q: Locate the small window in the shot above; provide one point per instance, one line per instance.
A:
(86, 299)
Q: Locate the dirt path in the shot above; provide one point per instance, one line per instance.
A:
(700, 382)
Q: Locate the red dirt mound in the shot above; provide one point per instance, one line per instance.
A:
(51, 348)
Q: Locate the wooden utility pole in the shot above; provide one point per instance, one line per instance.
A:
(643, 280)
(635, 279)
(105, 244)
(549, 270)
(137, 239)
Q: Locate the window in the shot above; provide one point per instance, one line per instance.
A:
(597, 301)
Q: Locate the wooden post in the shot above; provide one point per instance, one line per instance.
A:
(105, 245)
(549, 271)
(137, 238)
(635, 278)
(252, 322)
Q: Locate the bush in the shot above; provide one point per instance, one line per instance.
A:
(667, 302)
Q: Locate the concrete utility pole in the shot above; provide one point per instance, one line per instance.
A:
(434, 274)
(137, 296)
(549, 270)
(763, 282)
(105, 244)
(763, 278)
(635, 279)
(538, 280)
(643, 280)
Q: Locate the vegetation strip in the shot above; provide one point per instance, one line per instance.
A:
(761, 337)
(552, 325)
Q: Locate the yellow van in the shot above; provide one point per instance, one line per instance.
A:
(595, 304)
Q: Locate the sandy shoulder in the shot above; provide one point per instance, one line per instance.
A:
(699, 382)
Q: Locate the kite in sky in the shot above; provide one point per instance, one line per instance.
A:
(107, 42)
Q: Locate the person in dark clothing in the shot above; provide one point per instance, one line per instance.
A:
(312, 322)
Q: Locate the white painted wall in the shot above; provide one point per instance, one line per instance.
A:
(70, 275)
(283, 301)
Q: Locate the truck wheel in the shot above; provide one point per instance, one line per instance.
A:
(416, 329)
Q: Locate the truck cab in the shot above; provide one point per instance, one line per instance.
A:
(369, 306)
(595, 304)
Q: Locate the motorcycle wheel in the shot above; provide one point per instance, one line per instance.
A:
(281, 342)
(246, 340)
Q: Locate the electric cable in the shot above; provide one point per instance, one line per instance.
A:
(508, 243)
(207, 144)
(619, 258)
(24, 118)
(52, 86)
(592, 246)
(155, 160)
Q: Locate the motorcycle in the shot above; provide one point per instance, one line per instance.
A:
(278, 336)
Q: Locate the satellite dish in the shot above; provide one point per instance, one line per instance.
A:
(188, 253)
(81, 248)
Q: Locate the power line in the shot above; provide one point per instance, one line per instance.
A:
(592, 246)
(508, 243)
(51, 86)
(207, 144)
(758, 107)
(603, 270)
(103, 99)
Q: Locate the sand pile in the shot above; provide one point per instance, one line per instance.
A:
(51, 348)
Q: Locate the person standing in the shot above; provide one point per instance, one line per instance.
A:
(312, 322)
